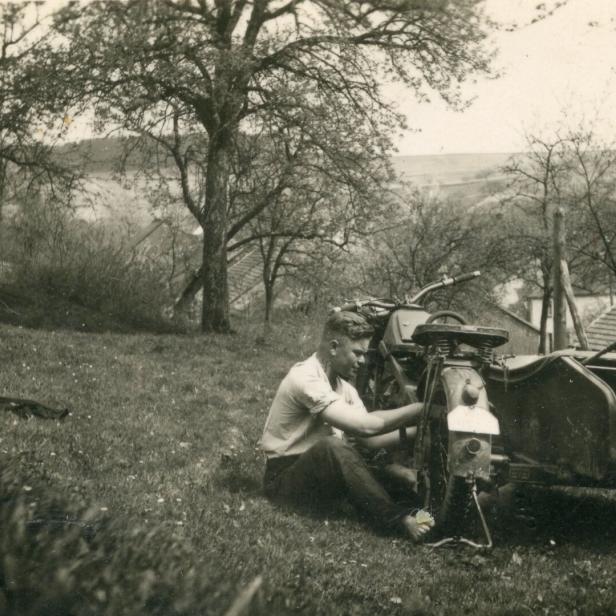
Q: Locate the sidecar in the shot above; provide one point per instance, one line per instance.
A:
(557, 418)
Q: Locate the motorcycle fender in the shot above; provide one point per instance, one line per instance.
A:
(472, 419)
(473, 425)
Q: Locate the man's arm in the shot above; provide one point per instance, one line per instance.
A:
(358, 422)
(387, 440)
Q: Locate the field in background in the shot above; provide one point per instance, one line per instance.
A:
(465, 178)
(146, 499)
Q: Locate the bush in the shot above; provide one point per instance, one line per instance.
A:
(88, 265)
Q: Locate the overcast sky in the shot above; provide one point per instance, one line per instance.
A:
(559, 65)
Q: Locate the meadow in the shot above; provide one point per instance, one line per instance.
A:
(146, 498)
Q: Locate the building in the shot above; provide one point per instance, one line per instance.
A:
(523, 336)
(589, 305)
(602, 331)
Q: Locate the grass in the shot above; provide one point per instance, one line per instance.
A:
(30, 306)
(146, 499)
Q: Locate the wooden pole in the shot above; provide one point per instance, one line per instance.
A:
(561, 339)
(575, 315)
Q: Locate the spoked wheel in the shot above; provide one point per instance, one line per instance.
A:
(446, 496)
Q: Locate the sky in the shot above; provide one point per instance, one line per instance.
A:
(556, 68)
(560, 66)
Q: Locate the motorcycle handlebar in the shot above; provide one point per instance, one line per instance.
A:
(465, 277)
(447, 281)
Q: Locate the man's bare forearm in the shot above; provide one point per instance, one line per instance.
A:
(396, 418)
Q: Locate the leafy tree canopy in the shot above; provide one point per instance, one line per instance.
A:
(222, 66)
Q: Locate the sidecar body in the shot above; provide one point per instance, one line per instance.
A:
(557, 413)
(557, 418)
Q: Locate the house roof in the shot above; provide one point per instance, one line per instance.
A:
(517, 318)
(602, 331)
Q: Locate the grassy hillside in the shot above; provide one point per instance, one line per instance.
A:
(449, 168)
(146, 499)
(101, 154)
(464, 177)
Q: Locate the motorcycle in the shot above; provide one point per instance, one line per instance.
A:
(415, 356)
(544, 420)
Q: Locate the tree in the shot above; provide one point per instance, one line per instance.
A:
(221, 64)
(534, 189)
(326, 202)
(33, 109)
(431, 237)
(591, 193)
(570, 169)
(305, 224)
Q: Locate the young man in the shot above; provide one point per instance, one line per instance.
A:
(308, 459)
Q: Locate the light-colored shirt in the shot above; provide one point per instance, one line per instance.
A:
(294, 422)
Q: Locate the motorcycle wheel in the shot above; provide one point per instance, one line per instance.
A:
(447, 497)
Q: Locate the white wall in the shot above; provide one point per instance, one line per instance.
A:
(589, 307)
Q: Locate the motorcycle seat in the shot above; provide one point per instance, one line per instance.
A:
(472, 335)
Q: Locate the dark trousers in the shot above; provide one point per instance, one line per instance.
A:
(330, 469)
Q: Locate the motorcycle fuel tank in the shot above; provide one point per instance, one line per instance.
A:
(400, 327)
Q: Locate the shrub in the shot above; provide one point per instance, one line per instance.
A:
(89, 265)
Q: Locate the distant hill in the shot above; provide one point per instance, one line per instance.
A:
(126, 204)
(462, 177)
(449, 168)
(102, 154)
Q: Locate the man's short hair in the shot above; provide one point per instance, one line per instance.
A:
(349, 324)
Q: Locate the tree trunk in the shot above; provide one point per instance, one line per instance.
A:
(215, 314)
(3, 178)
(269, 301)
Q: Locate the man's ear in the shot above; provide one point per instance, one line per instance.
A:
(333, 347)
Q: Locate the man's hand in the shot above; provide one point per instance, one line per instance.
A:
(418, 525)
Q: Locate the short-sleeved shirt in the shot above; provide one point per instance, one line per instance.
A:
(294, 422)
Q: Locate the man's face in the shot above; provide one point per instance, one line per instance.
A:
(348, 355)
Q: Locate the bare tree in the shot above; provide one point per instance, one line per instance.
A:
(574, 170)
(431, 237)
(535, 190)
(591, 194)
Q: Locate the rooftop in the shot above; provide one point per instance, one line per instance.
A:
(602, 331)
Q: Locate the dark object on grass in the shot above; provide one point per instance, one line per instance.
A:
(31, 408)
